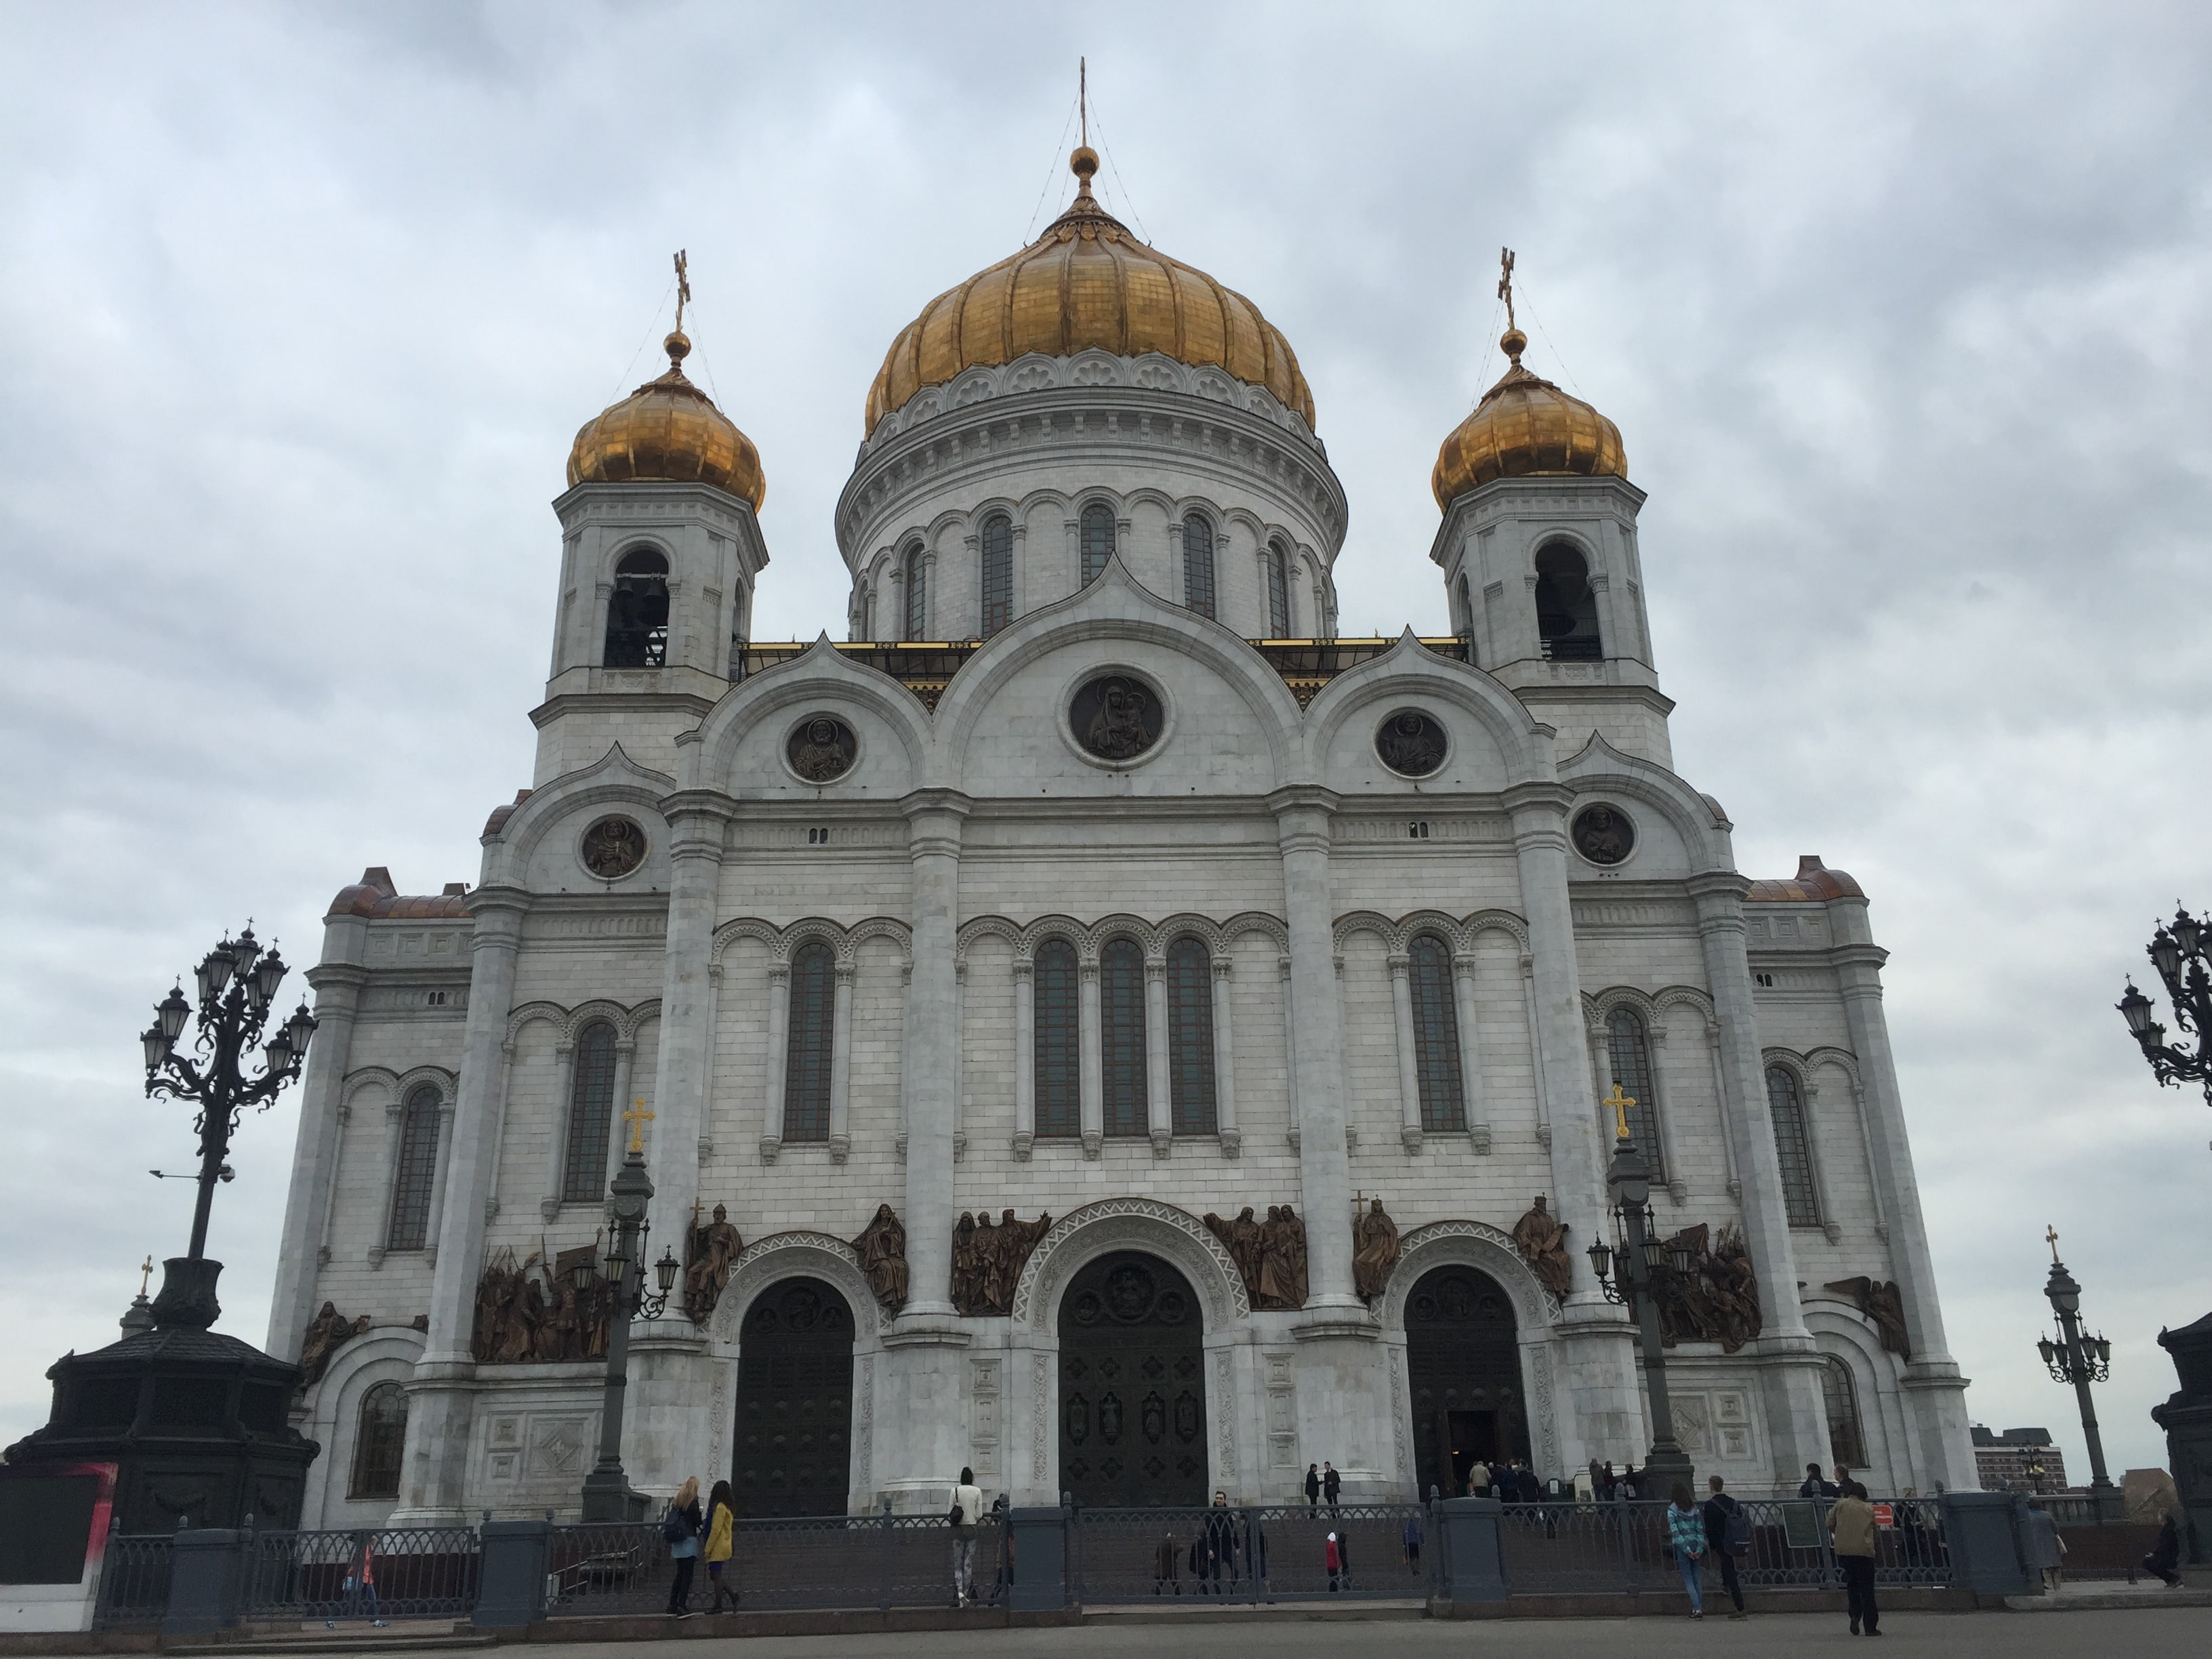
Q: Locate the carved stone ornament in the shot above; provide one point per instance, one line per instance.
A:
(1116, 717)
(1271, 1255)
(1603, 835)
(882, 1249)
(709, 1253)
(1541, 1239)
(613, 848)
(1411, 743)
(823, 749)
(1375, 1251)
(987, 1259)
(1717, 1300)
(524, 1318)
(325, 1331)
(1883, 1307)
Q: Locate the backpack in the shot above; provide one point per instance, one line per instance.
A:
(1737, 1539)
(674, 1526)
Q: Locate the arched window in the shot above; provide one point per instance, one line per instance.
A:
(806, 1061)
(1279, 592)
(378, 1441)
(998, 573)
(917, 594)
(1629, 1050)
(1566, 609)
(1098, 540)
(1793, 1146)
(1435, 1036)
(637, 611)
(590, 1116)
(1190, 1036)
(1122, 1036)
(415, 1170)
(1198, 565)
(1846, 1440)
(1058, 1057)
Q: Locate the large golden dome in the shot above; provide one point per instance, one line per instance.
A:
(667, 430)
(1088, 282)
(1526, 427)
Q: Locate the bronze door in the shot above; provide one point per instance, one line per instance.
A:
(1132, 1386)
(794, 1402)
(1465, 1370)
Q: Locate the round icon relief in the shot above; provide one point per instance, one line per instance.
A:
(1603, 835)
(613, 848)
(1116, 717)
(1411, 743)
(823, 749)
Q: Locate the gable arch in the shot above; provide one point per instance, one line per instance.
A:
(1473, 1244)
(1600, 769)
(1409, 668)
(1091, 1230)
(799, 1254)
(820, 674)
(613, 780)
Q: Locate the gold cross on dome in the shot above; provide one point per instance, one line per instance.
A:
(2051, 1238)
(683, 287)
(637, 1117)
(145, 1272)
(1506, 283)
(1618, 1103)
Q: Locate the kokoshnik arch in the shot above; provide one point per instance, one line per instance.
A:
(1095, 883)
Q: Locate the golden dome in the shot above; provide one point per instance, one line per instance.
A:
(1088, 282)
(667, 430)
(1526, 427)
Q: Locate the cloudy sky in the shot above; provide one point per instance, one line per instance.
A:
(1905, 312)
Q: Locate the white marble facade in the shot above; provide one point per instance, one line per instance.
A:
(973, 824)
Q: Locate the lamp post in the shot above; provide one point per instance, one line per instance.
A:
(2080, 1360)
(2181, 950)
(1644, 1264)
(607, 1494)
(237, 984)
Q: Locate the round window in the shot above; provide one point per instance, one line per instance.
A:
(1411, 743)
(1116, 717)
(613, 848)
(823, 749)
(1603, 835)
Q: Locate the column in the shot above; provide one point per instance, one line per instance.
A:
(1662, 1115)
(1934, 1391)
(1159, 1100)
(557, 1153)
(432, 1489)
(1831, 1227)
(1225, 1059)
(1720, 1098)
(1795, 1415)
(1535, 1051)
(336, 983)
(1024, 1057)
(1091, 1086)
(841, 1063)
(1470, 1050)
(618, 1131)
(779, 1058)
(1409, 1076)
(1290, 1046)
(394, 1129)
(959, 1058)
(698, 821)
(444, 1158)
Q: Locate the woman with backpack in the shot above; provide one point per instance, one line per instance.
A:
(681, 1527)
(720, 1543)
(1727, 1535)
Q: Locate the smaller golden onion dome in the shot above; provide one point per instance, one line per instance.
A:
(1525, 426)
(668, 431)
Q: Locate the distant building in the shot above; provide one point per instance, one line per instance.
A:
(2004, 1461)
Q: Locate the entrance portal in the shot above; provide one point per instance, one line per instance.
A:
(1132, 1386)
(794, 1402)
(1465, 1368)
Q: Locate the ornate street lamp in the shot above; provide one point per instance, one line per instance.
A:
(237, 983)
(2080, 1360)
(607, 1494)
(1632, 1272)
(2181, 950)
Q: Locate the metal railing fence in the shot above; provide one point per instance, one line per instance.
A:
(406, 1572)
(134, 1580)
(2099, 1546)
(1252, 1554)
(1552, 1547)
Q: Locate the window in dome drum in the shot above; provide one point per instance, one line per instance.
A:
(998, 574)
(1279, 593)
(917, 594)
(1098, 540)
(1198, 565)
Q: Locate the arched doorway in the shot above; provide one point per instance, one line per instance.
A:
(1132, 1385)
(1465, 1371)
(794, 1401)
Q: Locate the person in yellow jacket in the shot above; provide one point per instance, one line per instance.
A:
(1851, 1524)
(720, 1545)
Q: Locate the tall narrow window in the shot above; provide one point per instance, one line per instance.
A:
(806, 1063)
(1058, 1056)
(378, 1441)
(590, 1116)
(1279, 592)
(1436, 1036)
(1846, 1440)
(1198, 565)
(998, 574)
(1793, 1147)
(1629, 1050)
(917, 594)
(1122, 1036)
(637, 612)
(1190, 1036)
(416, 1169)
(1566, 608)
(1098, 540)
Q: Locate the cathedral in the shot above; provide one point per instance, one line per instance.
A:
(1097, 1023)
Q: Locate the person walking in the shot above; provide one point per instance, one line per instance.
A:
(1167, 1566)
(1478, 1480)
(1850, 1526)
(1332, 1483)
(1002, 1581)
(681, 1527)
(1313, 1487)
(2164, 1561)
(966, 1512)
(1332, 1555)
(2045, 1551)
(360, 1587)
(1813, 1486)
(1412, 1540)
(1220, 1544)
(721, 1543)
(1727, 1533)
(1686, 1531)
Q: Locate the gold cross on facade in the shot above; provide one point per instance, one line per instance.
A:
(683, 287)
(2051, 1238)
(1618, 1103)
(637, 1117)
(145, 1272)
(1505, 285)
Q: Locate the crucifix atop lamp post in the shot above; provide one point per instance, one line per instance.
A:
(2080, 1360)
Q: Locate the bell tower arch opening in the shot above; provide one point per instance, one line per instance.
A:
(1463, 1364)
(793, 1439)
(1132, 1386)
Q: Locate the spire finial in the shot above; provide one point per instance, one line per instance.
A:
(2051, 1238)
(1085, 161)
(145, 1272)
(1083, 96)
(1513, 342)
(678, 344)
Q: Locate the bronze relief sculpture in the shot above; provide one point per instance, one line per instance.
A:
(882, 1248)
(1115, 717)
(709, 1253)
(613, 848)
(325, 1331)
(1717, 1299)
(1375, 1251)
(1883, 1308)
(524, 1317)
(987, 1259)
(821, 750)
(1541, 1238)
(1270, 1255)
